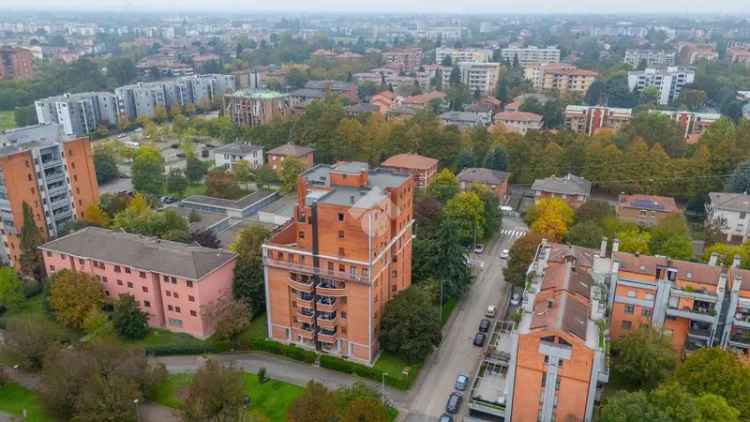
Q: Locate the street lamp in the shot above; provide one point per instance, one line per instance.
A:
(137, 415)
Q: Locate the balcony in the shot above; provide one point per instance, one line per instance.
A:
(63, 215)
(327, 336)
(700, 331)
(306, 334)
(326, 304)
(291, 266)
(304, 300)
(301, 285)
(54, 176)
(305, 316)
(331, 288)
(52, 163)
(327, 320)
(694, 314)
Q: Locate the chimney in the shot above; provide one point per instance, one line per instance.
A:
(736, 261)
(603, 248)
(615, 246)
(714, 259)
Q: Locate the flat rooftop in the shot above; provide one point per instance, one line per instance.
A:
(233, 204)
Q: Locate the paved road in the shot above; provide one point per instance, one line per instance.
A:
(457, 355)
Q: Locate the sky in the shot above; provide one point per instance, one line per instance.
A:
(675, 7)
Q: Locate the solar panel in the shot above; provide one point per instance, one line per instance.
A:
(647, 204)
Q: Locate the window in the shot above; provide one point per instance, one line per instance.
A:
(343, 315)
(394, 273)
(130, 285)
(189, 283)
(141, 274)
(341, 217)
(341, 252)
(631, 293)
(301, 235)
(629, 309)
(342, 268)
(626, 325)
(191, 299)
(193, 313)
(341, 234)
(330, 266)
(81, 261)
(743, 215)
(646, 312)
(146, 304)
(117, 269)
(176, 296)
(168, 293)
(105, 279)
(174, 280)
(169, 307)
(127, 270)
(51, 268)
(175, 322)
(119, 282)
(177, 309)
(145, 289)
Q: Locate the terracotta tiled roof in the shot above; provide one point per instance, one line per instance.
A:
(648, 202)
(518, 116)
(411, 161)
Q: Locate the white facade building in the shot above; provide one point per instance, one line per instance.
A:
(531, 55)
(731, 211)
(652, 57)
(480, 77)
(227, 155)
(78, 114)
(457, 55)
(668, 81)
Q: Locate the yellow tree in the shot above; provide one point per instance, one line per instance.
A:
(95, 215)
(552, 218)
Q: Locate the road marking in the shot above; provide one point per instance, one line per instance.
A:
(513, 234)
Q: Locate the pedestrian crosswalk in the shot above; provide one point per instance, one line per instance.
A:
(513, 234)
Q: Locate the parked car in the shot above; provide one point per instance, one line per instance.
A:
(462, 381)
(454, 403)
(479, 339)
(491, 311)
(479, 248)
(484, 325)
(515, 299)
(446, 418)
(504, 254)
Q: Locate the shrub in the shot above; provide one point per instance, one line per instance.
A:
(262, 375)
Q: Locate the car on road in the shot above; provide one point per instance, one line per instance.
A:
(491, 311)
(479, 249)
(504, 254)
(446, 418)
(515, 300)
(462, 381)
(479, 339)
(454, 403)
(484, 325)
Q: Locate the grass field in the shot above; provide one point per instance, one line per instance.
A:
(271, 399)
(14, 399)
(157, 337)
(7, 120)
(195, 189)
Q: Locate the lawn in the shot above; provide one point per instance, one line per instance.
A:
(271, 399)
(7, 120)
(15, 398)
(257, 331)
(195, 189)
(394, 366)
(161, 338)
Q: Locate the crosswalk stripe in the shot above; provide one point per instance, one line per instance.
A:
(513, 233)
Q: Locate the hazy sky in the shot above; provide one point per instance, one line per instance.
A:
(677, 7)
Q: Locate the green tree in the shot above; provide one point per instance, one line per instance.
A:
(242, 172)
(444, 186)
(692, 99)
(32, 264)
(216, 393)
(148, 171)
(521, 255)
(467, 210)
(248, 286)
(221, 184)
(593, 210)
(97, 324)
(232, 318)
(680, 405)
(634, 406)
(718, 372)
(643, 358)
(72, 294)
(11, 289)
(28, 340)
(365, 410)
(449, 261)
(194, 169)
(176, 182)
(671, 238)
(105, 166)
(656, 128)
(316, 404)
(295, 78)
(411, 325)
(291, 168)
(739, 181)
(635, 240)
(587, 234)
(129, 320)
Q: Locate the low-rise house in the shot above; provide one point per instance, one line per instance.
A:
(573, 189)
(422, 168)
(277, 155)
(495, 180)
(179, 286)
(730, 212)
(354, 110)
(304, 96)
(226, 155)
(519, 121)
(385, 101)
(589, 120)
(466, 119)
(423, 101)
(646, 210)
(348, 90)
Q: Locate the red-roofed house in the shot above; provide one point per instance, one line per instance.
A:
(422, 168)
(646, 210)
(519, 121)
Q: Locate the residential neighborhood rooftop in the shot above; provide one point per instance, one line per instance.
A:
(482, 175)
(291, 150)
(412, 161)
(565, 185)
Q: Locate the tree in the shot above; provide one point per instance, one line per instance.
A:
(497, 159)
(291, 168)
(692, 99)
(242, 172)
(105, 166)
(72, 294)
(680, 405)
(594, 210)
(11, 289)
(671, 238)
(719, 372)
(97, 324)
(248, 286)
(194, 169)
(231, 317)
(635, 240)
(643, 358)
(264, 177)
(634, 406)
(28, 340)
(31, 262)
(552, 217)
(411, 325)
(448, 259)
(365, 410)
(216, 393)
(655, 128)
(148, 171)
(467, 210)
(107, 399)
(176, 182)
(587, 234)
(95, 216)
(129, 321)
(315, 404)
(221, 184)
(521, 255)
(295, 78)
(205, 238)
(739, 181)
(444, 186)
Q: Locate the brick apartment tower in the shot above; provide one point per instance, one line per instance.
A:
(15, 64)
(330, 271)
(56, 178)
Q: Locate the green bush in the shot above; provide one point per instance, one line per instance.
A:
(197, 349)
(363, 371)
(291, 352)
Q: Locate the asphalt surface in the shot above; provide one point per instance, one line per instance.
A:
(457, 354)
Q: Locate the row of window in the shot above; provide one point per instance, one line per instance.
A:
(120, 269)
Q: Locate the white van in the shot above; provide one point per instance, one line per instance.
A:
(491, 311)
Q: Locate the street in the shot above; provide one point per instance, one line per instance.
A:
(457, 355)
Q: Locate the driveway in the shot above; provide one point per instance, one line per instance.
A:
(457, 355)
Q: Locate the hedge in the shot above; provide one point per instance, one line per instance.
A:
(363, 371)
(197, 349)
(291, 352)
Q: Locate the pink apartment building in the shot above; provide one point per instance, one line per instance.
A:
(178, 285)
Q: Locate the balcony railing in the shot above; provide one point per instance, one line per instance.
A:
(291, 266)
(303, 333)
(301, 285)
(327, 336)
(695, 314)
(305, 317)
(331, 291)
(699, 332)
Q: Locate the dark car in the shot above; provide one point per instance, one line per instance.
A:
(484, 325)
(446, 418)
(479, 339)
(454, 403)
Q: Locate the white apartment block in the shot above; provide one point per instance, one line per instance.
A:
(634, 57)
(732, 211)
(480, 77)
(226, 156)
(531, 55)
(457, 55)
(78, 114)
(668, 81)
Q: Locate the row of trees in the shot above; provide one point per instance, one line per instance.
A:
(358, 403)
